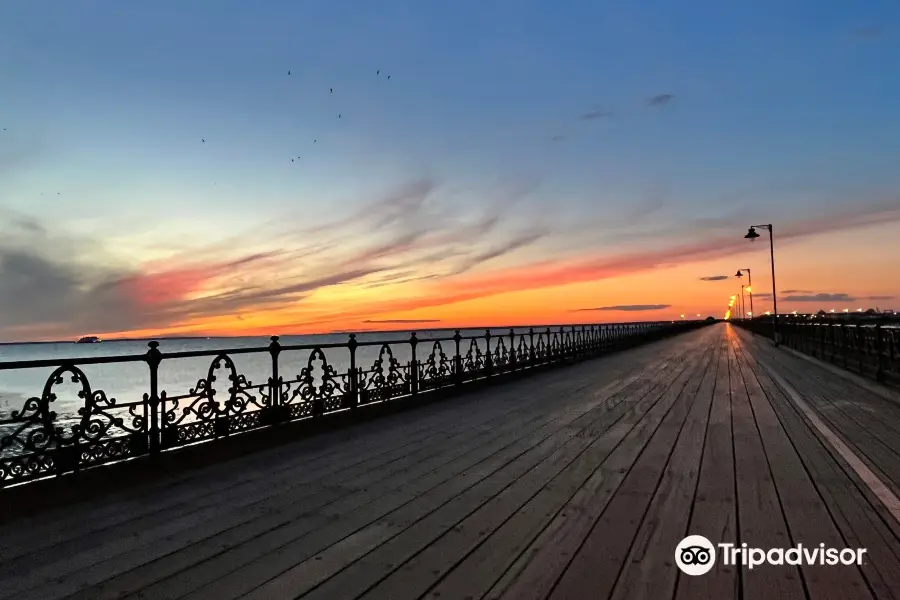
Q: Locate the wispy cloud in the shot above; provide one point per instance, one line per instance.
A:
(626, 307)
(809, 296)
(660, 99)
(596, 113)
(51, 281)
(868, 33)
(821, 297)
(55, 284)
(715, 278)
(385, 321)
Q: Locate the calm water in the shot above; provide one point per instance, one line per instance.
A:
(129, 381)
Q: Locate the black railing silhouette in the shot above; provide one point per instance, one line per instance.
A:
(870, 349)
(36, 442)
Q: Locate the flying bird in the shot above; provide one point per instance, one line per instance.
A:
(378, 72)
(339, 115)
(389, 76)
(202, 140)
(660, 99)
(330, 90)
(314, 141)
(289, 72)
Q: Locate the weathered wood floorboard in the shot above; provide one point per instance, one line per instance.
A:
(576, 483)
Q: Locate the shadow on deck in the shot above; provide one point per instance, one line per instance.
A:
(571, 484)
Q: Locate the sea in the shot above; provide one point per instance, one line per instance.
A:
(129, 381)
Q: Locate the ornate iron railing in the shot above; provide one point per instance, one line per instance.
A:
(870, 349)
(39, 440)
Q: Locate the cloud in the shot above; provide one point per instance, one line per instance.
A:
(597, 113)
(868, 33)
(627, 307)
(715, 278)
(600, 265)
(821, 297)
(402, 321)
(660, 99)
(809, 296)
(54, 284)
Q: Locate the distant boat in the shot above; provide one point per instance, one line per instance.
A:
(89, 339)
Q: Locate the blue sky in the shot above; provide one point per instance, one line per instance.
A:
(782, 108)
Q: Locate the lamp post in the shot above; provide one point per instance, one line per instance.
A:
(739, 274)
(752, 235)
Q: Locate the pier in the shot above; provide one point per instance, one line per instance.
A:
(576, 483)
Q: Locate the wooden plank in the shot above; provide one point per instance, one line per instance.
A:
(486, 561)
(209, 482)
(290, 504)
(530, 528)
(808, 519)
(714, 512)
(115, 566)
(205, 521)
(538, 567)
(432, 519)
(596, 565)
(262, 562)
(871, 453)
(379, 444)
(761, 522)
(859, 523)
(649, 571)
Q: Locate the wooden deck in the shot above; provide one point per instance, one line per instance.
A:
(577, 483)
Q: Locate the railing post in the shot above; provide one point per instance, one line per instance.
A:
(859, 350)
(844, 343)
(154, 358)
(531, 356)
(488, 361)
(353, 374)
(275, 380)
(879, 352)
(513, 354)
(548, 353)
(413, 365)
(457, 360)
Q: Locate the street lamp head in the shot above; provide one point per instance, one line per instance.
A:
(751, 234)
(739, 274)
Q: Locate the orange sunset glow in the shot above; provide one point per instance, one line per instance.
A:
(414, 271)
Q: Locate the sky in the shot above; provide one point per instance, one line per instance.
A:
(181, 167)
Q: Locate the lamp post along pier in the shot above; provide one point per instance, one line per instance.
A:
(740, 274)
(752, 235)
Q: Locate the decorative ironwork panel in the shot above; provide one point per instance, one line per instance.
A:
(35, 442)
(386, 379)
(198, 415)
(318, 389)
(437, 370)
(473, 363)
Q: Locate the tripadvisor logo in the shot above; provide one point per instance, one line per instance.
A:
(696, 555)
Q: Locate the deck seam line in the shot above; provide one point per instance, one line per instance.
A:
(866, 475)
